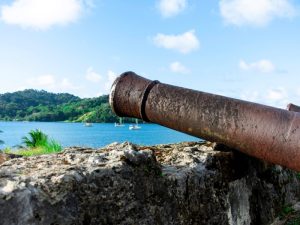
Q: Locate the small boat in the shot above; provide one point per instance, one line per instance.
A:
(135, 126)
(88, 124)
(120, 124)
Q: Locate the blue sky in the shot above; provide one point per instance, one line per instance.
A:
(247, 49)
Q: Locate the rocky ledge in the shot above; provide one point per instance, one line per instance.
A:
(186, 183)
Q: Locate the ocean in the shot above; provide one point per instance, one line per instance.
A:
(98, 135)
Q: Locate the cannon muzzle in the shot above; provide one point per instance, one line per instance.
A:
(265, 132)
(292, 107)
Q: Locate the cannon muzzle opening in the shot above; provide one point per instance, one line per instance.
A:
(261, 131)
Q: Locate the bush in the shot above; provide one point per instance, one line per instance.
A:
(36, 139)
(38, 143)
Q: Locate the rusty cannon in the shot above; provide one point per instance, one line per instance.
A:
(292, 107)
(265, 132)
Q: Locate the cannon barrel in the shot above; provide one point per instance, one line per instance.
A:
(292, 107)
(265, 132)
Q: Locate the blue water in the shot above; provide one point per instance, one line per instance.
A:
(99, 135)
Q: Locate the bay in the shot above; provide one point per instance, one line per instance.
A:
(98, 135)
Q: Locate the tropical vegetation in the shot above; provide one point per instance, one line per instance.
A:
(36, 143)
(33, 105)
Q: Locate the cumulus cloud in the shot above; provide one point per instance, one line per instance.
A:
(51, 83)
(93, 76)
(263, 66)
(255, 12)
(184, 43)
(169, 8)
(44, 80)
(66, 84)
(251, 96)
(178, 67)
(277, 97)
(111, 76)
(91, 84)
(276, 94)
(99, 84)
(43, 14)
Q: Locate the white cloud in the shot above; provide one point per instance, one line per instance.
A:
(255, 12)
(92, 76)
(66, 84)
(183, 43)
(251, 96)
(277, 94)
(277, 97)
(263, 66)
(177, 67)
(169, 8)
(42, 14)
(111, 76)
(44, 80)
(51, 83)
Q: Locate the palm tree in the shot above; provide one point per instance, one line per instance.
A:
(1, 142)
(36, 138)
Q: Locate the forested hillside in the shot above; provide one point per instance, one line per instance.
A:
(33, 105)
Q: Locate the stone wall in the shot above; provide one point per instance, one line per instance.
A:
(186, 183)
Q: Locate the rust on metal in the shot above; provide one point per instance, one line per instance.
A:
(292, 107)
(261, 131)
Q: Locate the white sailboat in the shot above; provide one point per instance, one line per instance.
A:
(120, 124)
(88, 124)
(135, 126)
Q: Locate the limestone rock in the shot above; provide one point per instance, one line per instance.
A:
(4, 157)
(186, 183)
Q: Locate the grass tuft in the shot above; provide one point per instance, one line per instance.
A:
(38, 143)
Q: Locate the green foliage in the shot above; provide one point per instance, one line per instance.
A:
(36, 139)
(38, 143)
(7, 150)
(33, 105)
(286, 211)
(40, 150)
(289, 216)
(21, 104)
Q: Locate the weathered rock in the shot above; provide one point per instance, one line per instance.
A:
(186, 183)
(4, 157)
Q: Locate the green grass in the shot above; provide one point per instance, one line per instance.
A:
(47, 148)
(37, 143)
(36, 138)
(7, 150)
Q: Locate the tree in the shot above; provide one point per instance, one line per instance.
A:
(33, 105)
